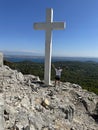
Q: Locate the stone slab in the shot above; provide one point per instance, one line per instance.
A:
(1, 59)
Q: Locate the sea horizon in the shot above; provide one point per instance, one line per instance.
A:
(40, 59)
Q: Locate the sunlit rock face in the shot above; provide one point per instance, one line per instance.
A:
(1, 59)
(31, 105)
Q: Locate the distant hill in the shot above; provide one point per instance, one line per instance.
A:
(40, 59)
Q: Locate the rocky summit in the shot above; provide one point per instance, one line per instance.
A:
(26, 103)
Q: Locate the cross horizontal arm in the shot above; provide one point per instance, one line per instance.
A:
(58, 25)
(40, 26)
(51, 26)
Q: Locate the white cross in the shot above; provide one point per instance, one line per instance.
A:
(49, 25)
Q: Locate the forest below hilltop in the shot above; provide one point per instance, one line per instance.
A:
(83, 73)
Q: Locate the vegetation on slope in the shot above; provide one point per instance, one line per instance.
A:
(83, 73)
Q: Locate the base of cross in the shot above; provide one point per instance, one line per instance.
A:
(49, 85)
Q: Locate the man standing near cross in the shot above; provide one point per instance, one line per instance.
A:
(48, 26)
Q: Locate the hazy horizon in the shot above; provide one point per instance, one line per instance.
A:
(30, 54)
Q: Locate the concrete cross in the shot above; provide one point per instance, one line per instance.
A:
(49, 25)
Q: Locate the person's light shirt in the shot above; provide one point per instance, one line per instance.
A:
(58, 72)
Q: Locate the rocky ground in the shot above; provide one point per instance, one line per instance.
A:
(31, 105)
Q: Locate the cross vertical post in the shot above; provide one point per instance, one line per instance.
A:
(48, 48)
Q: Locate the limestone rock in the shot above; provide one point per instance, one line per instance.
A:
(25, 102)
(1, 59)
(29, 104)
(45, 102)
(20, 76)
(1, 112)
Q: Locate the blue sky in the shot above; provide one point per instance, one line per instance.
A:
(80, 38)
